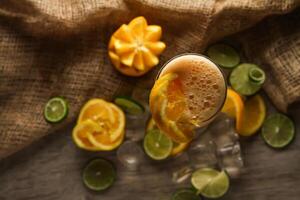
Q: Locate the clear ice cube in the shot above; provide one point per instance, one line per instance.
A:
(181, 168)
(230, 159)
(136, 126)
(222, 130)
(202, 152)
(130, 155)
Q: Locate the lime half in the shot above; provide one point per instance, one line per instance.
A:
(247, 79)
(99, 174)
(185, 194)
(129, 105)
(210, 183)
(56, 110)
(157, 145)
(223, 55)
(278, 130)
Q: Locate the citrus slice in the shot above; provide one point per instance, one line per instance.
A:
(278, 130)
(162, 104)
(108, 121)
(56, 110)
(109, 117)
(185, 194)
(95, 109)
(111, 135)
(247, 79)
(129, 105)
(134, 48)
(80, 135)
(210, 183)
(99, 174)
(157, 145)
(177, 147)
(223, 55)
(253, 116)
(234, 106)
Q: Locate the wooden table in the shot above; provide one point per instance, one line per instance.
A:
(51, 169)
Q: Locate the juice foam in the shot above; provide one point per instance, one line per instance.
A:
(203, 84)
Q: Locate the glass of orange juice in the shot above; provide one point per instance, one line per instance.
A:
(188, 93)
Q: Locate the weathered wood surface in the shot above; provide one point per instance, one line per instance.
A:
(51, 169)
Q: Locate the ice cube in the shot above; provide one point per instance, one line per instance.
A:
(130, 155)
(136, 126)
(181, 168)
(182, 174)
(202, 151)
(230, 159)
(222, 130)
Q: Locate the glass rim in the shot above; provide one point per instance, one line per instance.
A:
(217, 66)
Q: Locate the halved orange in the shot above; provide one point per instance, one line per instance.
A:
(95, 109)
(134, 47)
(101, 126)
(80, 135)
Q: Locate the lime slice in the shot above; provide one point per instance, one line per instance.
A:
(210, 183)
(129, 105)
(56, 110)
(223, 55)
(247, 79)
(157, 145)
(185, 194)
(99, 174)
(278, 130)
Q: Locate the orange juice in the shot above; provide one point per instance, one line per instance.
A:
(194, 97)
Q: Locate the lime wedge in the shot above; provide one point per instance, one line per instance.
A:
(223, 55)
(278, 130)
(129, 105)
(99, 174)
(185, 194)
(210, 183)
(157, 145)
(247, 79)
(56, 110)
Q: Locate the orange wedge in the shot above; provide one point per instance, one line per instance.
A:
(253, 116)
(234, 107)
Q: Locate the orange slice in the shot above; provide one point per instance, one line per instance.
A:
(253, 116)
(234, 106)
(133, 48)
(162, 104)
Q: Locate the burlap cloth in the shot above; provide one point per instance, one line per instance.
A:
(59, 47)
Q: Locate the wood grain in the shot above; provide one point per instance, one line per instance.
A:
(51, 169)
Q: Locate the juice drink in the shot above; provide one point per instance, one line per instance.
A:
(188, 94)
